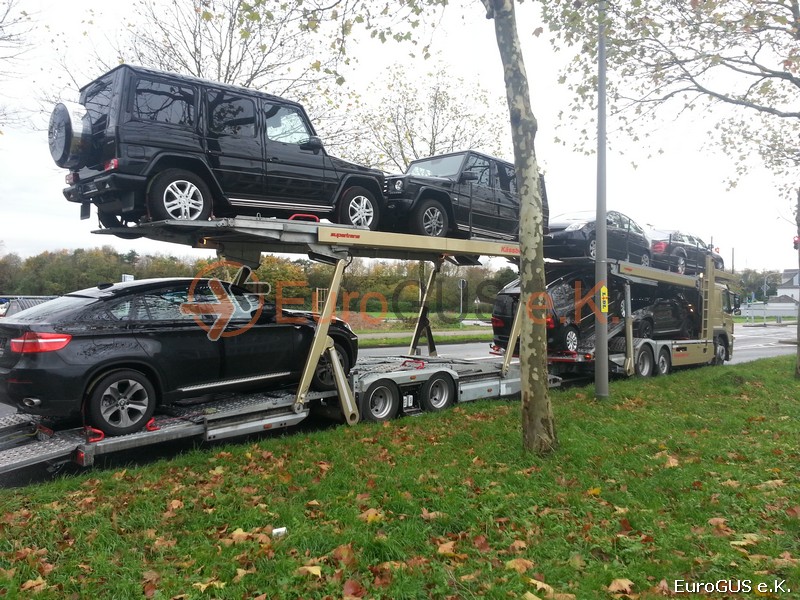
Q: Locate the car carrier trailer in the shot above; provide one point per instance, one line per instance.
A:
(629, 355)
(376, 390)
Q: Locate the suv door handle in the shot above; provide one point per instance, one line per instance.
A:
(274, 159)
(214, 152)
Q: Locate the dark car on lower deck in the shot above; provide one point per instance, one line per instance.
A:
(114, 353)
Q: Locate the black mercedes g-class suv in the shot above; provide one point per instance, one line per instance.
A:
(148, 145)
(459, 194)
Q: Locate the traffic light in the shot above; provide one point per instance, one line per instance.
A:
(796, 242)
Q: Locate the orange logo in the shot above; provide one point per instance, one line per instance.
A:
(223, 306)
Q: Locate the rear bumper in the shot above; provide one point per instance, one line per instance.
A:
(563, 244)
(117, 192)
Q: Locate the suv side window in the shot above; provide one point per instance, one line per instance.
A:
(231, 114)
(285, 124)
(164, 103)
(479, 166)
(506, 178)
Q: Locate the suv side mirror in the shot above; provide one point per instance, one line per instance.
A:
(468, 176)
(312, 143)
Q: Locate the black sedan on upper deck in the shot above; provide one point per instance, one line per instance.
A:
(112, 354)
(573, 235)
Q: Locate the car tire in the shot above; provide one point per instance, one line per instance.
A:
(644, 364)
(679, 260)
(323, 379)
(645, 329)
(69, 135)
(358, 207)
(111, 221)
(121, 402)
(438, 393)
(645, 260)
(664, 363)
(430, 219)
(380, 402)
(570, 338)
(177, 194)
(591, 248)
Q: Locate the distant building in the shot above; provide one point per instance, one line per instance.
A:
(790, 284)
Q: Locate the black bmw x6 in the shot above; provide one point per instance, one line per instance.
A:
(114, 353)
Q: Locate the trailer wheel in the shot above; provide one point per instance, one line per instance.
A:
(109, 220)
(122, 402)
(720, 351)
(438, 393)
(644, 361)
(380, 402)
(664, 364)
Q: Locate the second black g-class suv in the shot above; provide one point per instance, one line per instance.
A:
(459, 194)
(148, 145)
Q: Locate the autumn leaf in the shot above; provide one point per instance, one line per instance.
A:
(720, 526)
(530, 596)
(344, 554)
(315, 570)
(481, 543)
(150, 583)
(34, 585)
(771, 484)
(175, 504)
(595, 491)
(215, 583)
(517, 546)
(541, 586)
(371, 515)
(430, 516)
(621, 586)
(353, 589)
(520, 565)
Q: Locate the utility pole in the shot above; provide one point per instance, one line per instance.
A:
(601, 262)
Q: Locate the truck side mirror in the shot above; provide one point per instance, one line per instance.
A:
(312, 143)
(468, 176)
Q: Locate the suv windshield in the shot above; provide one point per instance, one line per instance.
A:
(441, 166)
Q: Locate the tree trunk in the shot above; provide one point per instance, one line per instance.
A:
(538, 424)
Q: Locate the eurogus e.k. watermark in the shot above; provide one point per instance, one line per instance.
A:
(220, 303)
(215, 308)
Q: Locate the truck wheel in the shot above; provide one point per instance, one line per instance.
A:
(323, 379)
(438, 393)
(69, 135)
(664, 364)
(570, 338)
(176, 194)
(644, 364)
(430, 218)
(358, 207)
(122, 402)
(719, 351)
(380, 402)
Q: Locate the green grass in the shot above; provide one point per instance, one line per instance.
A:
(692, 476)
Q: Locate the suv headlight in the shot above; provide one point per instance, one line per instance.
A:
(396, 185)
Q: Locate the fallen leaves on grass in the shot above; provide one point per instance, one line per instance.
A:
(371, 515)
(621, 586)
(520, 565)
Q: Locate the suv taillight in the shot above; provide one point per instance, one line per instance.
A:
(550, 322)
(33, 342)
(112, 164)
(72, 178)
(660, 247)
(497, 322)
